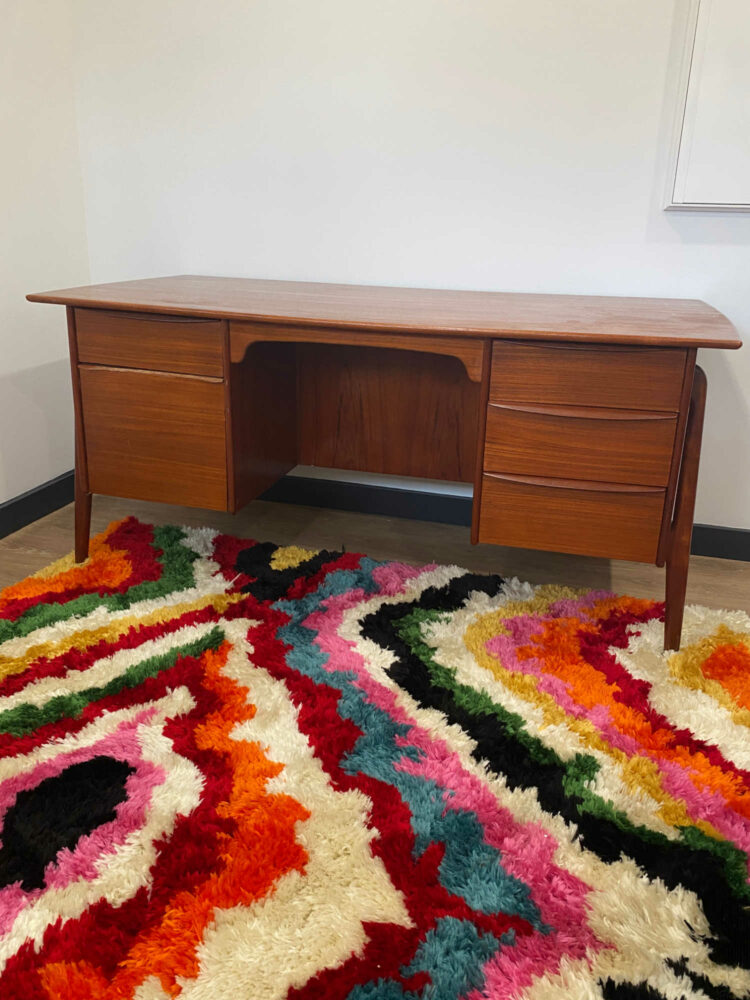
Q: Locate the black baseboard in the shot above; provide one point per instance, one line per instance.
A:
(722, 543)
(708, 539)
(33, 504)
(387, 500)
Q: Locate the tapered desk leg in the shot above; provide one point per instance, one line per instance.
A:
(682, 523)
(83, 523)
(82, 495)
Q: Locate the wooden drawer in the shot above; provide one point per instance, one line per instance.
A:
(633, 378)
(610, 446)
(141, 340)
(617, 522)
(153, 436)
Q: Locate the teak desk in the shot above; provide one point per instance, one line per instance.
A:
(578, 419)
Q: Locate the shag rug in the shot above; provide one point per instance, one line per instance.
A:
(234, 770)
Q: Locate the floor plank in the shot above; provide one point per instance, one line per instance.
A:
(718, 583)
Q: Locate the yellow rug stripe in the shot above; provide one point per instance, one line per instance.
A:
(638, 773)
(111, 632)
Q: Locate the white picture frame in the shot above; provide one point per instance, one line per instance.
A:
(706, 115)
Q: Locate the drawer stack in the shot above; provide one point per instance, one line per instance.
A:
(153, 405)
(579, 447)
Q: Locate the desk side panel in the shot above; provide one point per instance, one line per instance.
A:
(263, 418)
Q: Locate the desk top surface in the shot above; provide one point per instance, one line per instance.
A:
(592, 318)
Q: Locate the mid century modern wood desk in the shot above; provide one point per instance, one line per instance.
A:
(578, 419)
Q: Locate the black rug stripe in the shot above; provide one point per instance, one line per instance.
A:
(712, 991)
(56, 814)
(268, 584)
(674, 863)
(630, 991)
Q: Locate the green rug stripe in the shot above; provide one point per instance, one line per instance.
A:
(24, 719)
(579, 771)
(177, 564)
(473, 701)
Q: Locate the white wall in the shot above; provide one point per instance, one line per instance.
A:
(42, 239)
(506, 144)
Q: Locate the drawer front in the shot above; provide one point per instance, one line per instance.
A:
(610, 446)
(159, 343)
(583, 375)
(155, 437)
(614, 522)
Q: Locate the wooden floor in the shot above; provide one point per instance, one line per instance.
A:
(717, 583)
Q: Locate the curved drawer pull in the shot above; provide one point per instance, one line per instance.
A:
(143, 317)
(587, 342)
(575, 484)
(585, 412)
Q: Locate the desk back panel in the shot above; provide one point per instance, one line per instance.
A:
(395, 412)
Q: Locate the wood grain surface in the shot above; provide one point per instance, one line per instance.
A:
(616, 521)
(155, 436)
(565, 374)
(687, 322)
(133, 340)
(603, 447)
(468, 350)
(263, 416)
(378, 410)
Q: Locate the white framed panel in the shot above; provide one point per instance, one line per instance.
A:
(711, 155)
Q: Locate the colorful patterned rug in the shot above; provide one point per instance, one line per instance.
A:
(229, 769)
